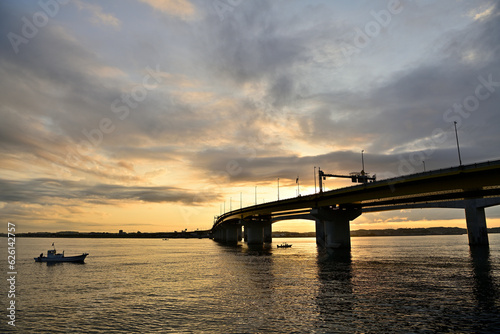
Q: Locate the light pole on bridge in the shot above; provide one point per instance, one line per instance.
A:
(362, 163)
(278, 188)
(458, 146)
(298, 185)
(315, 179)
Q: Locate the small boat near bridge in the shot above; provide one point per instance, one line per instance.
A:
(54, 257)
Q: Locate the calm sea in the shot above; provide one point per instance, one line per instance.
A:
(385, 284)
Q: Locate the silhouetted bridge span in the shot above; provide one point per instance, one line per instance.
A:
(471, 187)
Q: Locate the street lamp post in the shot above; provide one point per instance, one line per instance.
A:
(458, 146)
(362, 163)
(278, 188)
(298, 186)
(315, 179)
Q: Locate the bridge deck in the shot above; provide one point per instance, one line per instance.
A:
(468, 181)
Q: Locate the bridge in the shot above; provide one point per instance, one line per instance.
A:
(470, 187)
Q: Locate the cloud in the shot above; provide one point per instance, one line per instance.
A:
(98, 16)
(53, 191)
(483, 13)
(252, 44)
(180, 8)
(410, 104)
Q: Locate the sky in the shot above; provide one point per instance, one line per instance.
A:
(157, 115)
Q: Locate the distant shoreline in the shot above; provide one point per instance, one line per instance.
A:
(120, 235)
(276, 234)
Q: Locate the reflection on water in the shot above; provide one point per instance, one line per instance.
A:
(405, 284)
(484, 288)
(335, 293)
(49, 264)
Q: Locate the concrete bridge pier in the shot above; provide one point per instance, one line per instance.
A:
(255, 233)
(337, 233)
(320, 233)
(268, 233)
(218, 235)
(333, 226)
(231, 233)
(240, 233)
(476, 223)
(258, 231)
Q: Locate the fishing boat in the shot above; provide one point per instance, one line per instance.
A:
(284, 245)
(53, 257)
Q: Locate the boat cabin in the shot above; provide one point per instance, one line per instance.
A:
(52, 253)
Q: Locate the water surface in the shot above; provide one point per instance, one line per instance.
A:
(419, 284)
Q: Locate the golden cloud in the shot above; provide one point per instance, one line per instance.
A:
(180, 8)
